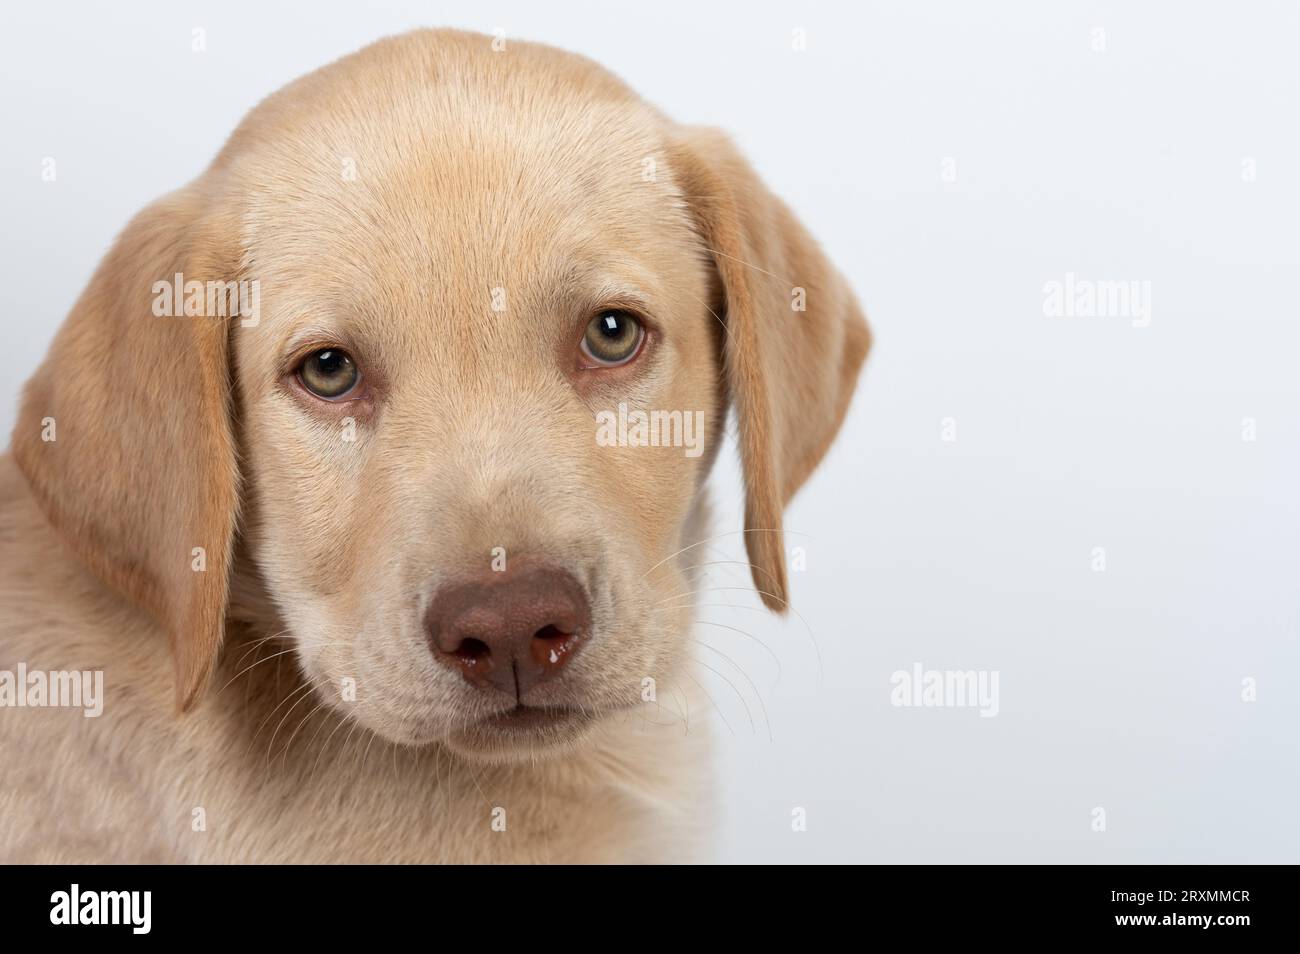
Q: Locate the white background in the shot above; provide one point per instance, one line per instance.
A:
(1118, 689)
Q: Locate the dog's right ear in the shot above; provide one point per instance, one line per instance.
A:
(125, 435)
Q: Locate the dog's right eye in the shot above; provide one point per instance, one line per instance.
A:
(330, 374)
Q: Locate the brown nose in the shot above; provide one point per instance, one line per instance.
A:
(512, 632)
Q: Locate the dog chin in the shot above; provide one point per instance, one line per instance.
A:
(523, 734)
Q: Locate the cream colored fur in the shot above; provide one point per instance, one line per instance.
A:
(225, 737)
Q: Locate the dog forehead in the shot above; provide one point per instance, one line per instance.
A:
(462, 204)
(437, 139)
(412, 199)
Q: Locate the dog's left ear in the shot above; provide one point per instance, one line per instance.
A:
(794, 341)
(125, 437)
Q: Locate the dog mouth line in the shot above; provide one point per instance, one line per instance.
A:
(530, 718)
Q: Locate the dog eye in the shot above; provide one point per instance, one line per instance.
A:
(613, 338)
(329, 373)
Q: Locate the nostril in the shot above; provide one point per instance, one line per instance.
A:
(472, 651)
(551, 645)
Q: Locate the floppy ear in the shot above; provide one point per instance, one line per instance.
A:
(795, 337)
(124, 434)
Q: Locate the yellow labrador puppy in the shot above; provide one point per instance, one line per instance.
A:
(355, 512)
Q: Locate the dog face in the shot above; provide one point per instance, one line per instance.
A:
(503, 307)
(470, 284)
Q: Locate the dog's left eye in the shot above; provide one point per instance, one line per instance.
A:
(330, 373)
(612, 338)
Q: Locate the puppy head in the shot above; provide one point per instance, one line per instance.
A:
(495, 309)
